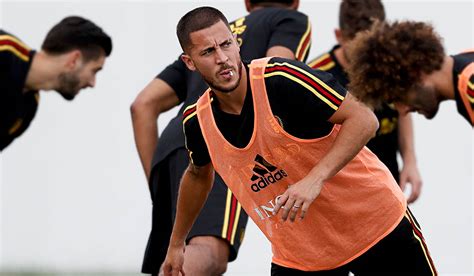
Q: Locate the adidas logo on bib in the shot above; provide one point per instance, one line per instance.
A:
(265, 174)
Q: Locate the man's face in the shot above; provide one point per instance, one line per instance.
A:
(214, 53)
(82, 76)
(422, 99)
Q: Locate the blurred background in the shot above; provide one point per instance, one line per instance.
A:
(73, 196)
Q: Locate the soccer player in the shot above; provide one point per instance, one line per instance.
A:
(272, 28)
(395, 133)
(404, 62)
(72, 53)
(287, 138)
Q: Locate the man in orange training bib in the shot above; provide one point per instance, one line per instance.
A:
(287, 138)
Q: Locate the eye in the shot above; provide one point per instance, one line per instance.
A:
(206, 52)
(227, 43)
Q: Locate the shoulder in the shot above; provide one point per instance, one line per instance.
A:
(283, 13)
(274, 14)
(296, 68)
(323, 62)
(294, 77)
(462, 60)
(190, 116)
(14, 47)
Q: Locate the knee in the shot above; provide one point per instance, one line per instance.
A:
(219, 267)
(214, 254)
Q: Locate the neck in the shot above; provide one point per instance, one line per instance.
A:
(43, 73)
(341, 57)
(232, 102)
(443, 79)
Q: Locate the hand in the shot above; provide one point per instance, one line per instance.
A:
(298, 198)
(173, 264)
(410, 174)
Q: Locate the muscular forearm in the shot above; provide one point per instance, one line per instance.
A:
(405, 138)
(145, 130)
(354, 133)
(194, 189)
(409, 172)
(156, 98)
(356, 129)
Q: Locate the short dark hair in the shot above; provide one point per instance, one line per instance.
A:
(359, 15)
(75, 32)
(390, 59)
(195, 20)
(263, 2)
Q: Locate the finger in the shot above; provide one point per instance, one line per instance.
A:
(281, 200)
(288, 206)
(166, 269)
(294, 209)
(415, 193)
(304, 209)
(402, 182)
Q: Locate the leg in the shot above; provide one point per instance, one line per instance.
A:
(206, 255)
(161, 219)
(402, 252)
(215, 237)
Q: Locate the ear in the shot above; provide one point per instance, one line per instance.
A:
(339, 36)
(248, 5)
(73, 58)
(188, 61)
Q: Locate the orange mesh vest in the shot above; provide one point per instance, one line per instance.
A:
(463, 87)
(357, 207)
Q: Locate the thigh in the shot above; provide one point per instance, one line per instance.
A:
(402, 252)
(217, 247)
(278, 270)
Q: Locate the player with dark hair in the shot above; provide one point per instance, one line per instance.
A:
(395, 133)
(404, 62)
(272, 28)
(73, 51)
(285, 137)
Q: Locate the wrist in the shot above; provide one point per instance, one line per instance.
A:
(177, 243)
(409, 159)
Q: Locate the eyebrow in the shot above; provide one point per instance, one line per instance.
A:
(213, 47)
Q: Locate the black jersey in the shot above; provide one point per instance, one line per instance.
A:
(256, 33)
(17, 107)
(385, 143)
(461, 61)
(301, 99)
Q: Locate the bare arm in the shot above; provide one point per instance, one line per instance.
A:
(194, 189)
(358, 126)
(409, 172)
(280, 51)
(155, 98)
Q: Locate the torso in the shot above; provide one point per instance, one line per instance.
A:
(17, 107)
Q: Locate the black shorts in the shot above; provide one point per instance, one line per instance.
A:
(221, 216)
(402, 252)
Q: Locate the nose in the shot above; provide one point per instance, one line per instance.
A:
(221, 57)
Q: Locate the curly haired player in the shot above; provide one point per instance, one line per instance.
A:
(405, 63)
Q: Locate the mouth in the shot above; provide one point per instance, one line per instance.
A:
(227, 74)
